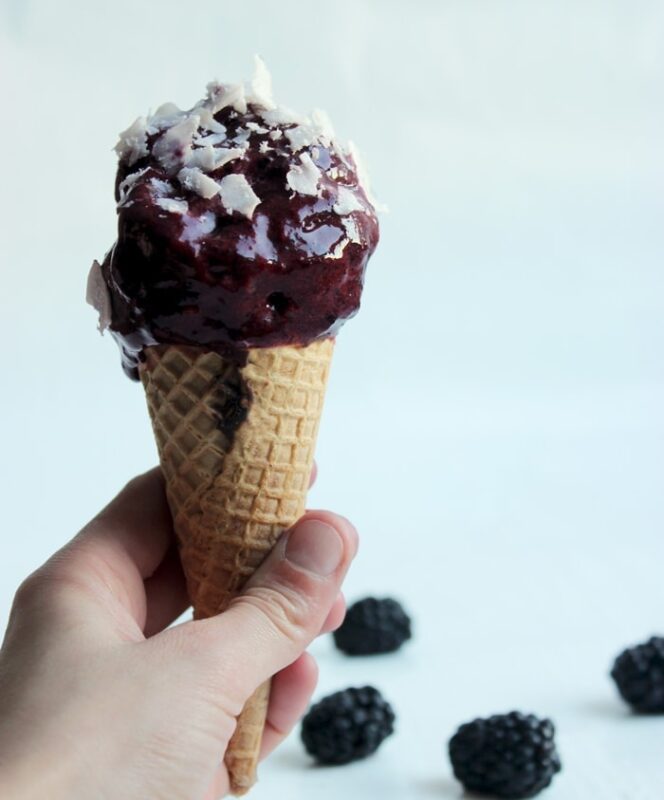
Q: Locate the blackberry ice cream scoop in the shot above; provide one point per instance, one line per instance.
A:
(241, 224)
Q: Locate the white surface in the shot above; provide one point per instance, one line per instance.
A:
(494, 424)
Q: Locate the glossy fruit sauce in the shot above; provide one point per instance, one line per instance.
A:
(290, 273)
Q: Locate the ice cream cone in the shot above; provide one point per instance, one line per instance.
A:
(236, 445)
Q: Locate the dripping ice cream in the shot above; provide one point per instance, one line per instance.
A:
(241, 224)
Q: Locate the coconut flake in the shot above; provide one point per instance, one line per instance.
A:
(203, 158)
(237, 195)
(242, 137)
(304, 178)
(347, 202)
(208, 122)
(322, 124)
(127, 184)
(211, 158)
(196, 181)
(160, 188)
(211, 139)
(277, 133)
(165, 116)
(173, 206)
(174, 146)
(260, 89)
(221, 95)
(352, 230)
(223, 155)
(133, 143)
(282, 116)
(339, 248)
(301, 136)
(167, 110)
(256, 128)
(98, 296)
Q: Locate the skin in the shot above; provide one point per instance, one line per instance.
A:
(100, 699)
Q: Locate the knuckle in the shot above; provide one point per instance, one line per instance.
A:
(214, 681)
(132, 484)
(286, 611)
(30, 589)
(51, 587)
(192, 637)
(37, 597)
(199, 639)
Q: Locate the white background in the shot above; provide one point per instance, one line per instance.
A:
(495, 421)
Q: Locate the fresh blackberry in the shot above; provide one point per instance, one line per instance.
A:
(639, 676)
(507, 755)
(346, 726)
(373, 626)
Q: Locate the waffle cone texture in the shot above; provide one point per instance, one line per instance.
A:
(236, 445)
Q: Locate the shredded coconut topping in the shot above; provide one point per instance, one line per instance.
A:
(196, 181)
(221, 95)
(173, 148)
(211, 139)
(237, 195)
(304, 178)
(352, 230)
(133, 143)
(192, 145)
(98, 296)
(160, 188)
(164, 117)
(282, 116)
(347, 202)
(208, 122)
(323, 124)
(173, 206)
(256, 128)
(226, 155)
(124, 189)
(301, 136)
(204, 158)
(260, 88)
(211, 158)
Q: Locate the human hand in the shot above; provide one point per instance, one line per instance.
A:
(99, 700)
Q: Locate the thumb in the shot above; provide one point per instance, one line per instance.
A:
(281, 610)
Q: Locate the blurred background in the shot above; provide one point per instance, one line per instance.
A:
(495, 420)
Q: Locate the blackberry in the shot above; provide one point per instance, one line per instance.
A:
(346, 726)
(639, 676)
(373, 626)
(507, 755)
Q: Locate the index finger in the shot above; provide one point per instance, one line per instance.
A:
(135, 529)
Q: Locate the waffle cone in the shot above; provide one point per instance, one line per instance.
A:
(236, 445)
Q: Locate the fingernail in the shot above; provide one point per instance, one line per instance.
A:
(315, 547)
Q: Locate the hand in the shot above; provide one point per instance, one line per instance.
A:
(99, 700)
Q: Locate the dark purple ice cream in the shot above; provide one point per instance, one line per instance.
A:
(240, 225)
